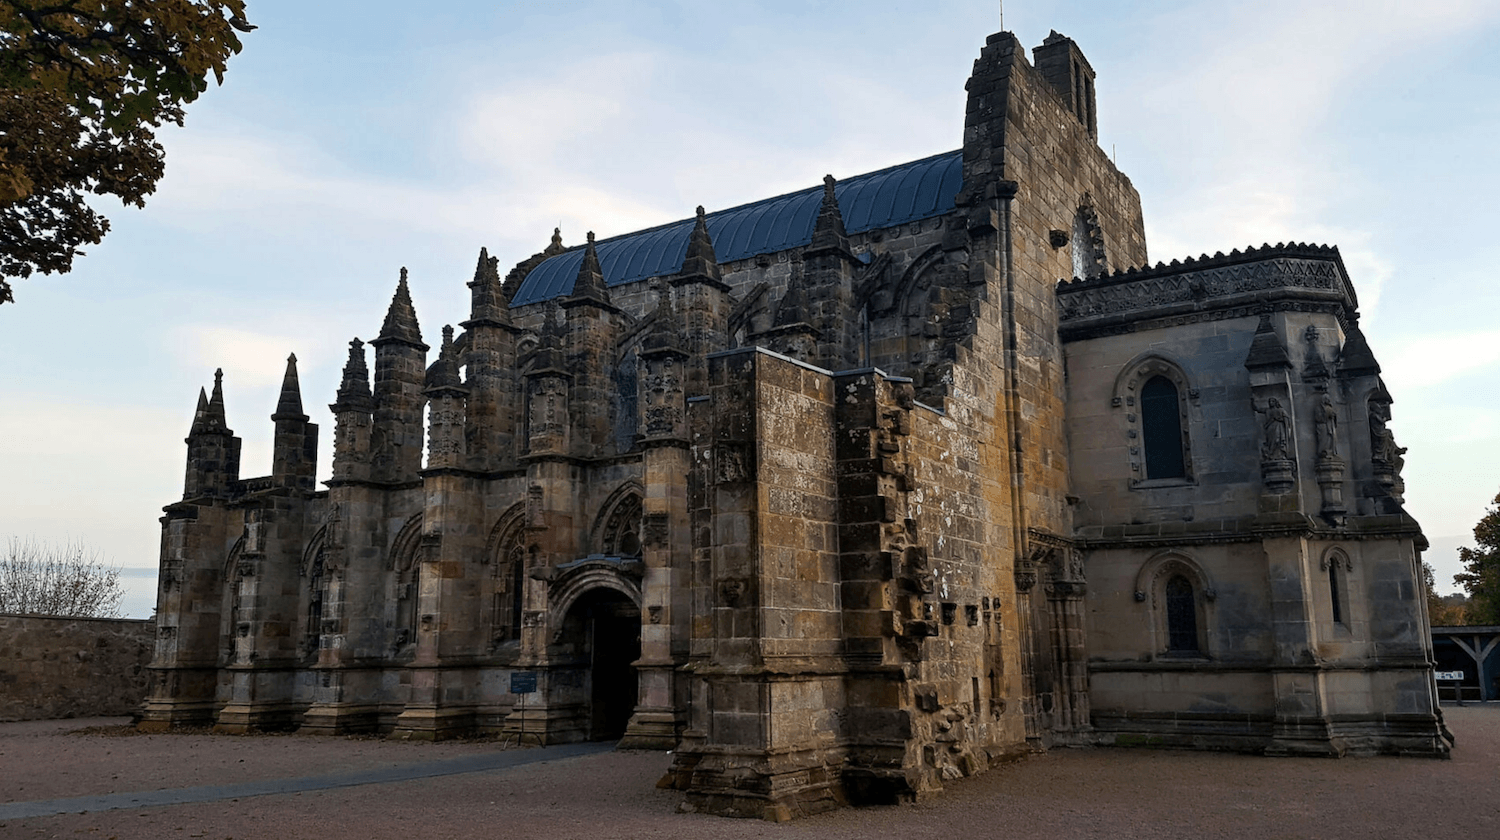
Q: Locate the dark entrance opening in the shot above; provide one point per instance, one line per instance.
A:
(611, 625)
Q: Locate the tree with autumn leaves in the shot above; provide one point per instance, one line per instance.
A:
(1481, 574)
(84, 84)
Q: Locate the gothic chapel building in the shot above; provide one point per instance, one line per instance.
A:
(839, 494)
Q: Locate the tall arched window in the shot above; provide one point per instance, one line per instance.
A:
(1161, 427)
(317, 591)
(504, 589)
(509, 599)
(1182, 616)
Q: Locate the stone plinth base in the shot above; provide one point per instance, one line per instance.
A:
(239, 719)
(427, 723)
(755, 785)
(161, 715)
(340, 719)
(652, 729)
(547, 725)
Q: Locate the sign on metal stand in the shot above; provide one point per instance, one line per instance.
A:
(522, 683)
(1455, 677)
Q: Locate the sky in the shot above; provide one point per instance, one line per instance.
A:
(350, 139)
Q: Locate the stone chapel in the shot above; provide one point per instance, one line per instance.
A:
(840, 494)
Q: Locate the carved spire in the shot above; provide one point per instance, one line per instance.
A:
(443, 373)
(1357, 358)
(200, 414)
(1266, 349)
(700, 260)
(401, 319)
(549, 347)
(214, 418)
(487, 298)
(792, 308)
(667, 331)
(354, 390)
(289, 406)
(828, 230)
(590, 282)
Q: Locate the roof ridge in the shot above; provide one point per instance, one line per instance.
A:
(842, 182)
(766, 225)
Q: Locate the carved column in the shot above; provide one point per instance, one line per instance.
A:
(666, 461)
(1026, 577)
(1065, 596)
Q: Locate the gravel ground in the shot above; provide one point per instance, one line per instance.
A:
(1064, 793)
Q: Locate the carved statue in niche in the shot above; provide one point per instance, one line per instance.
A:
(663, 396)
(535, 518)
(1277, 430)
(1384, 453)
(548, 407)
(1328, 427)
(1383, 447)
(729, 463)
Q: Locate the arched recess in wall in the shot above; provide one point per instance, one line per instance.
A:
(506, 553)
(404, 575)
(617, 530)
(750, 315)
(312, 598)
(1336, 566)
(912, 299)
(229, 608)
(935, 309)
(1178, 596)
(592, 575)
(1089, 258)
(1152, 398)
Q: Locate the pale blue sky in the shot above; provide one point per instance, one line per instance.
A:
(352, 138)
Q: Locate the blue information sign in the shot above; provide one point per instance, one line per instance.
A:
(522, 682)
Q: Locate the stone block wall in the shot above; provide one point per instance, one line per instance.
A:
(72, 667)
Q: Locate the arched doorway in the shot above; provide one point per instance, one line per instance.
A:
(603, 630)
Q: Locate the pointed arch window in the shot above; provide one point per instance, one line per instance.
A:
(1180, 596)
(317, 592)
(1337, 565)
(1153, 398)
(1182, 615)
(509, 557)
(1161, 429)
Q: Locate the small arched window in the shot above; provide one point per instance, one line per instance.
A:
(1337, 564)
(1336, 595)
(1161, 427)
(1182, 616)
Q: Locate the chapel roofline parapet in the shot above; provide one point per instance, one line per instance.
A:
(1294, 275)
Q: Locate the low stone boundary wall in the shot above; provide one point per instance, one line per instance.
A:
(72, 667)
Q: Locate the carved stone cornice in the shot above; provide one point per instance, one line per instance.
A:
(1287, 276)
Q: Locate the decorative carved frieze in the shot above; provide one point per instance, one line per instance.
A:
(1200, 285)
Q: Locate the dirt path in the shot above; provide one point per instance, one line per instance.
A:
(1063, 794)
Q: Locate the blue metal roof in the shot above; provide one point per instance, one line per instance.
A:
(904, 193)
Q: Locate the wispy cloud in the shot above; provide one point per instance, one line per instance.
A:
(1430, 360)
(1271, 95)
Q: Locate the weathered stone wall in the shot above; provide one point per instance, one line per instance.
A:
(72, 667)
(1286, 522)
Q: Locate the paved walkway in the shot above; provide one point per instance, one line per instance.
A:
(327, 781)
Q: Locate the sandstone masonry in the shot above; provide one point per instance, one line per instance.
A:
(840, 494)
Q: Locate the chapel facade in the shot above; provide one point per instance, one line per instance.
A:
(840, 494)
